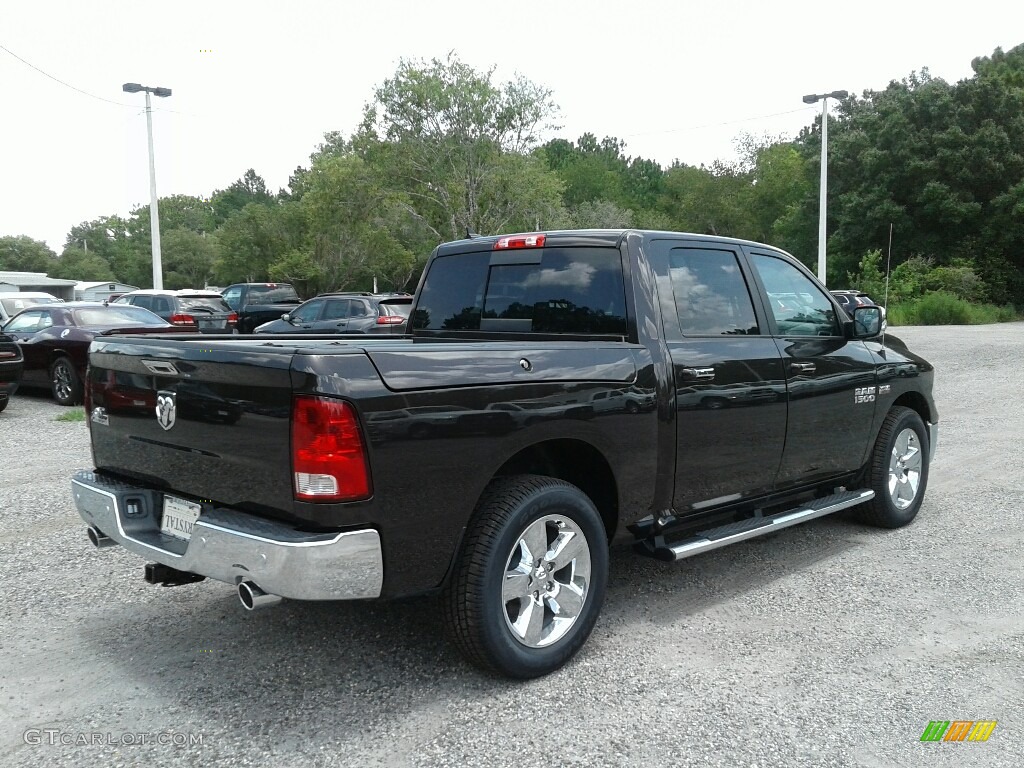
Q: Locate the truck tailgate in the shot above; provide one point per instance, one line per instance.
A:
(221, 431)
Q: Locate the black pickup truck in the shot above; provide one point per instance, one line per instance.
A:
(258, 303)
(557, 392)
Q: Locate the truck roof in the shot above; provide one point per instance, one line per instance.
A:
(584, 237)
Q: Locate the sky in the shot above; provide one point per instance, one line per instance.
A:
(256, 84)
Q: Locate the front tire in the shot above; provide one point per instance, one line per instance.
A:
(529, 583)
(897, 471)
(64, 382)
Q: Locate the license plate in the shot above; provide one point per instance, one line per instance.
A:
(179, 517)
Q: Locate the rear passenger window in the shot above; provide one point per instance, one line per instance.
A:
(570, 290)
(711, 295)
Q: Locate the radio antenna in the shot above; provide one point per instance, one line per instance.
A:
(888, 269)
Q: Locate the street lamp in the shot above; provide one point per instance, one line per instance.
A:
(811, 99)
(154, 214)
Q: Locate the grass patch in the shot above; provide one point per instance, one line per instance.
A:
(73, 414)
(942, 308)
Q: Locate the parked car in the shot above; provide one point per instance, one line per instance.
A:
(258, 303)
(55, 340)
(11, 366)
(346, 313)
(12, 303)
(849, 300)
(205, 311)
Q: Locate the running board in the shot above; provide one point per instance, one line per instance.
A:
(722, 536)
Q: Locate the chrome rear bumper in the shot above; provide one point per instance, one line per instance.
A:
(232, 546)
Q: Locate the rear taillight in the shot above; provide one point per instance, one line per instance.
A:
(390, 320)
(233, 318)
(182, 320)
(328, 453)
(519, 241)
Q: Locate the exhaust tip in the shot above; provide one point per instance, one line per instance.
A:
(98, 538)
(252, 597)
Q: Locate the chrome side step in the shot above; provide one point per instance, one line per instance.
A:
(713, 538)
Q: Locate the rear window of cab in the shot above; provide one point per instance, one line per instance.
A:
(539, 290)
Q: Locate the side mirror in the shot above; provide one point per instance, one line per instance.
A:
(867, 322)
(286, 317)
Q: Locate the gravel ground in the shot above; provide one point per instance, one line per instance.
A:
(828, 644)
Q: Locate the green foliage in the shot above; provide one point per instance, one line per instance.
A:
(78, 264)
(23, 254)
(943, 164)
(251, 188)
(187, 257)
(448, 140)
(600, 214)
(943, 308)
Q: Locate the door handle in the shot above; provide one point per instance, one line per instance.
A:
(700, 374)
(803, 367)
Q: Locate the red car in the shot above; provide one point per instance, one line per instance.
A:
(55, 340)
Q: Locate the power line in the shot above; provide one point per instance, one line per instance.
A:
(79, 90)
(66, 85)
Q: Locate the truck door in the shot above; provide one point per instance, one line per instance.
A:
(830, 379)
(729, 381)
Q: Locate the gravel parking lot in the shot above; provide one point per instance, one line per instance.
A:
(829, 644)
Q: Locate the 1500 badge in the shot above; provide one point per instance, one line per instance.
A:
(864, 395)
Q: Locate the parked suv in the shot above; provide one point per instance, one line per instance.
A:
(206, 311)
(849, 300)
(346, 313)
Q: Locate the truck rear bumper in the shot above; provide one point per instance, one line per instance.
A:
(232, 546)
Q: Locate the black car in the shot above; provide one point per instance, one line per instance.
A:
(346, 313)
(55, 340)
(11, 365)
(850, 300)
(205, 311)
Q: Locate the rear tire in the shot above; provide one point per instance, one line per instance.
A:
(897, 471)
(529, 583)
(64, 382)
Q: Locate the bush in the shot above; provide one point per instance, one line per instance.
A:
(942, 308)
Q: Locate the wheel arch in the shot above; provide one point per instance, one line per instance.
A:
(915, 401)
(577, 462)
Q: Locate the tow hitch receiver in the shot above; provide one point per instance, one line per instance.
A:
(165, 576)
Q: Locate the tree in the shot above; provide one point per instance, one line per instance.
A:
(187, 257)
(354, 223)
(445, 135)
(940, 163)
(705, 200)
(79, 264)
(21, 253)
(251, 188)
(255, 237)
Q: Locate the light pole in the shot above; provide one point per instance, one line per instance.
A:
(823, 186)
(154, 213)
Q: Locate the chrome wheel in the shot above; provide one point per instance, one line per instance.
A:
(905, 469)
(546, 581)
(63, 384)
